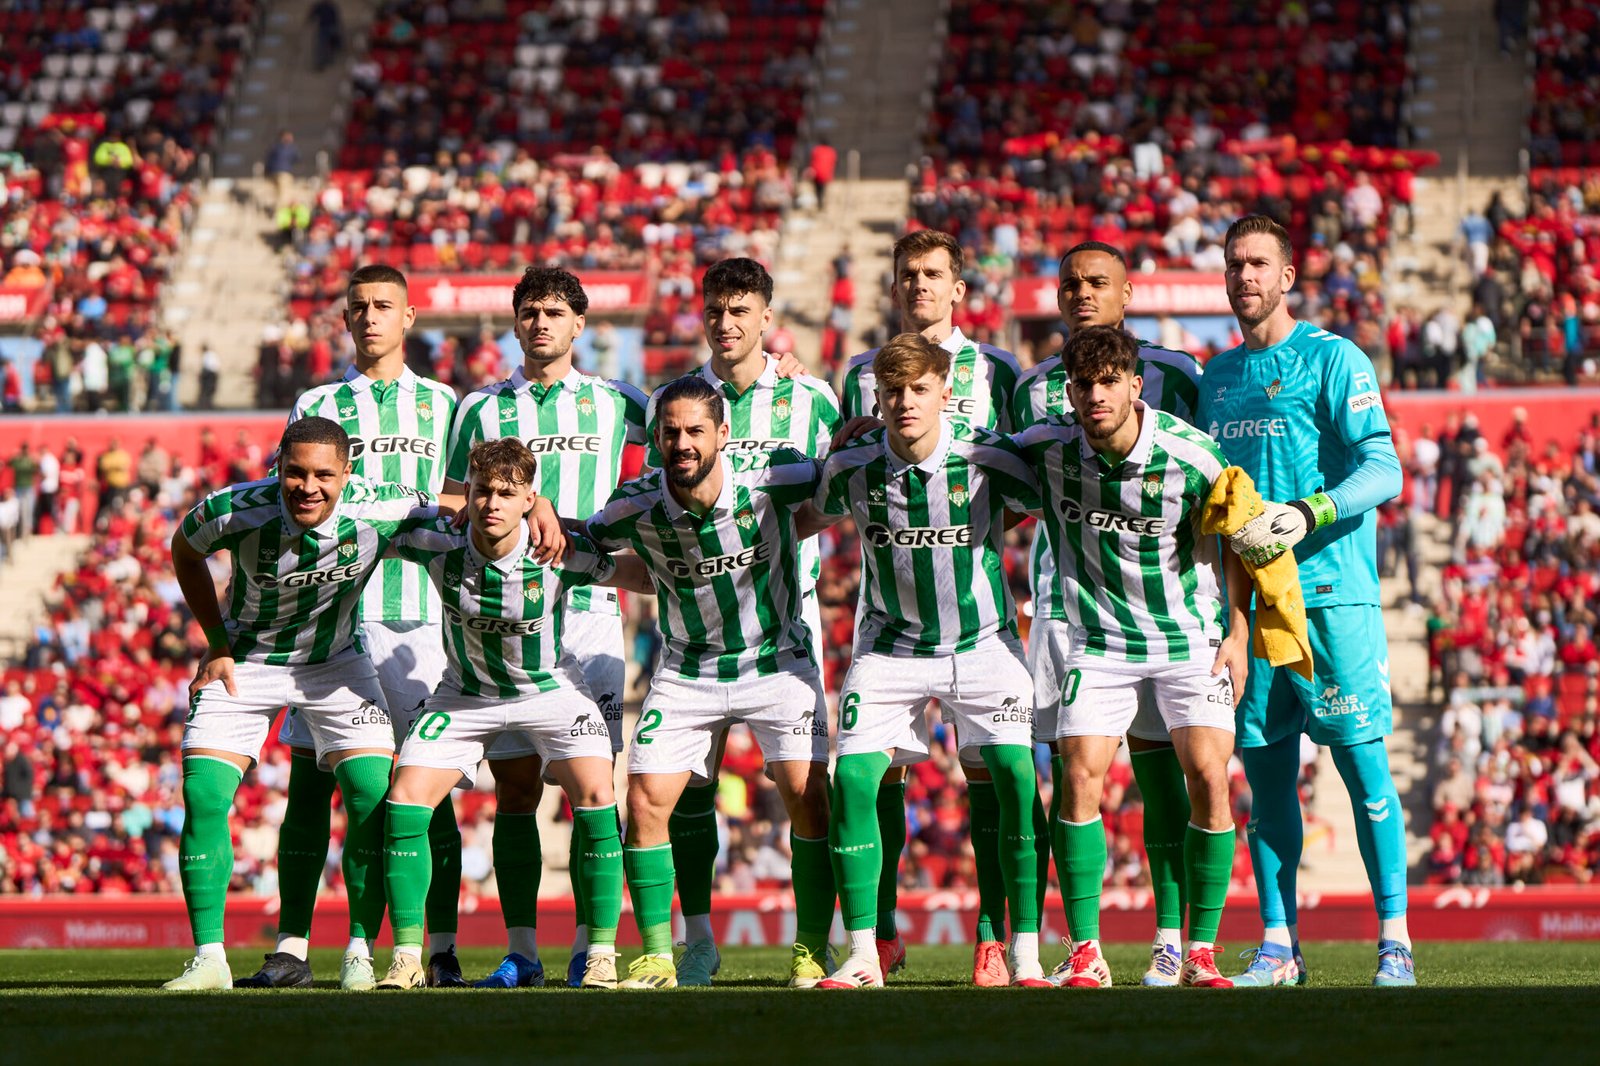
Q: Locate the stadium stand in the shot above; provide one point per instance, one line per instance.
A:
(1517, 785)
(105, 116)
(1151, 126)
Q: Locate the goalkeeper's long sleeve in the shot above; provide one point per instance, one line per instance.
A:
(1376, 478)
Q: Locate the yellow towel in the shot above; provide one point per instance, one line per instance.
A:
(1282, 635)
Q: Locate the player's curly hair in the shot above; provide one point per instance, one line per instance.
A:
(540, 283)
(906, 358)
(920, 242)
(732, 278)
(315, 430)
(503, 459)
(1252, 224)
(696, 388)
(1096, 352)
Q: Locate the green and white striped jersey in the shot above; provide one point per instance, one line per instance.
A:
(727, 585)
(982, 379)
(576, 427)
(1171, 384)
(932, 537)
(398, 431)
(503, 618)
(775, 412)
(1142, 581)
(293, 595)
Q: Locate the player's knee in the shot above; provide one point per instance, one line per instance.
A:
(518, 795)
(855, 785)
(647, 818)
(1208, 792)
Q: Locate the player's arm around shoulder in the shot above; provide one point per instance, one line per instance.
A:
(1013, 481)
(587, 564)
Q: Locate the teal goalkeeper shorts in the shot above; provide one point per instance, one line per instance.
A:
(1348, 699)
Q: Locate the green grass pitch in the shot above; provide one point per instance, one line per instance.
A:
(1478, 1002)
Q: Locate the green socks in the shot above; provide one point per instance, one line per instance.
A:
(649, 872)
(813, 892)
(1017, 792)
(599, 871)
(303, 844)
(985, 818)
(1082, 874)
(444, 891)
(205, 847)
(1208, 866)
(892, 840)
(1041, 850)
(580, 902)
(518, 864)
(693, 831)
(408, 869)
(859, 868)
(1166, 817)
(363, 783)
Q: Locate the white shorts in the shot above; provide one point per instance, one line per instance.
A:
(410, 660)
(985, 693)
(339, 704)
(594, 642)
(682, 719)
(1050, 644)
(1100, 696)
(454, 731)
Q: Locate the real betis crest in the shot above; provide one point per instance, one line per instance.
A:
(346, 550)
(780, 409)
(585, 406)
(425, 411)
(533, 592)
(964, 374)
(1273, 389)
(1152, 484)
(746, 518)
(958, 495)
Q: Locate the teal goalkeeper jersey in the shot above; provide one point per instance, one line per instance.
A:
(294, 592)
(1171, 384)
(1292, 416)
(503, 618)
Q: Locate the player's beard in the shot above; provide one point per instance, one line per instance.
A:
(1097, 431)
(545, 358)
(695, 475)
(1269, 306)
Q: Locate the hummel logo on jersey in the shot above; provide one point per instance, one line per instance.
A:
(714, 565)
(269, 555)
(958, 495)
(503, 627)
(881, 536)
(394, 445)
(1071, 471)
(1112, 521)
(1250, 427)
(878, 494)
(585, 726)
(809, 726)
(577, 442)
(1152, 484)
(1055, 394)
(1013, 710)
(301, 579)
(1273, 389)
(452, 579)
(746, 518)
(347, 412)
(533, 592)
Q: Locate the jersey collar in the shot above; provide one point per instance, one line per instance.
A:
(955, 342)
(932, 464)
(1140, 456)
(360, 382)
(724, 505)
(766, 380)
(509, 562)
(519, 382)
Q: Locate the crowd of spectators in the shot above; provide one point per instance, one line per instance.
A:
(1152, 126)
(1511, 648)
(104, 113)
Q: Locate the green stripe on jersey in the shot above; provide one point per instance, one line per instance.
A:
(399, 431)
(932, 541)
(982, 380)
(576, 427)
(728, 584)
(295, 593)
(1142, 584)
